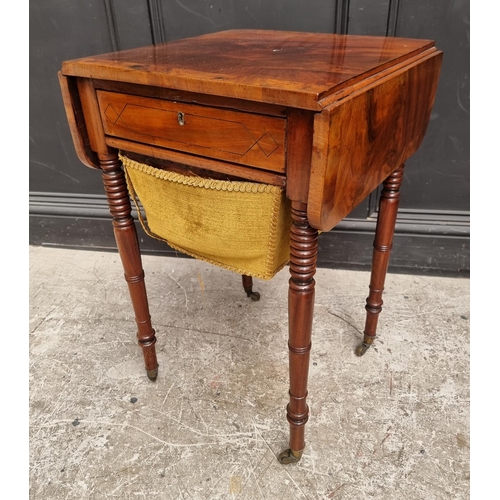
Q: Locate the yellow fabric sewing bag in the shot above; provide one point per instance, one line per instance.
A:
(240, 226)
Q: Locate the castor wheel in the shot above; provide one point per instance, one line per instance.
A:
(289, 456)
(362, 348)
(247, 286)
(152, 374)
(254, 295)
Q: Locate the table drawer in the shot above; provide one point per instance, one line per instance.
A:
(234, 136)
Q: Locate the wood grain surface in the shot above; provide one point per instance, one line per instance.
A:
(291, 68)
(234, 136)
(360, 139)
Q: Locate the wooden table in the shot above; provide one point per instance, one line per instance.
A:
(336, 116)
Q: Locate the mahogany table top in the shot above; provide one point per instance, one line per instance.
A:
(289, 68)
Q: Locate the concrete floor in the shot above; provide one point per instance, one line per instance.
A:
(391, 425)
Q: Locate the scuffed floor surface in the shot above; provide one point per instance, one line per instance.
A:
(393, 424)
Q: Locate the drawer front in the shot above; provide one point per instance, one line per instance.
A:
(238, 137)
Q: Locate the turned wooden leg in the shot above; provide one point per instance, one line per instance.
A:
(384, 234)
(128, 246)
(303, 257)
(247, 286)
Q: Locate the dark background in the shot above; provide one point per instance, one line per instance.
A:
(67, 204)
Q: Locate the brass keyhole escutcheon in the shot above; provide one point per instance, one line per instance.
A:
(180, 118)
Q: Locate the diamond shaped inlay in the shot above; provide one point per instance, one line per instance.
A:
(111, 114)
(268, 144)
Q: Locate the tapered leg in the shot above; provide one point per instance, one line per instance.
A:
(248, 285)
(303, 258)
(128, 246)
(384, 235)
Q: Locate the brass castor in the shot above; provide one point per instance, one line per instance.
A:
(254, 295)
(289, 456)
(152, 374)
(361, 349)
(247, 286)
